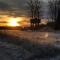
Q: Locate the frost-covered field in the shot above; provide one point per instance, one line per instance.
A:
(36, 37)
(12, 49)
(11, 52)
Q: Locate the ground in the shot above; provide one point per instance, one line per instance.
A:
(13, 49)
(35, 36)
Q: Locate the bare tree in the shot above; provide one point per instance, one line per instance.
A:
(34, 7)
(57, 23)
(31, 7)
(37, 9)
(53, 9)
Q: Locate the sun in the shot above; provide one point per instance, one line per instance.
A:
(13, 22)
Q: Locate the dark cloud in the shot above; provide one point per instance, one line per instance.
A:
(18, 3)
(21, 4)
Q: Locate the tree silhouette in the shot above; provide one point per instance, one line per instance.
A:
(37, 9)
(57, 23)
(53, 10)
(31, 7)
(34, 7)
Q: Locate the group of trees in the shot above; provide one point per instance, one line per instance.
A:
(54, 7)
(57, 23)
(34, 7)
(54, 10)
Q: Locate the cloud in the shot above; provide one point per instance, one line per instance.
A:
(18, 3)
(21, 4)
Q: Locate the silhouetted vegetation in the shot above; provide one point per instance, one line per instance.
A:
(52, 9)
(58, 17)
(55, 13)
(34, 7)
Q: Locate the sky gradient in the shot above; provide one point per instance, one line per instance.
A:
(21, 4)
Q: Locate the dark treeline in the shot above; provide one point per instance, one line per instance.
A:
(34, 7)
(58, 17)
(54, 8)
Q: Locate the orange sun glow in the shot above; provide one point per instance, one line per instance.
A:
(13, 22)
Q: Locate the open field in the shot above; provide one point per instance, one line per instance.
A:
(19, 45)
(35, 36)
